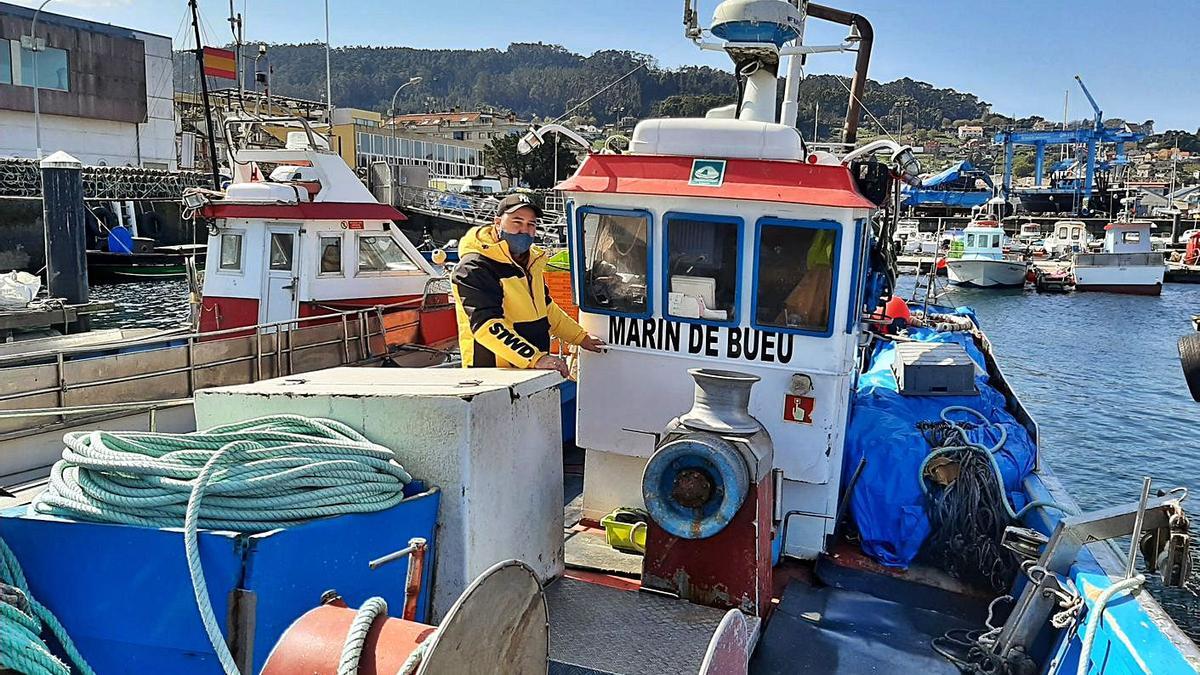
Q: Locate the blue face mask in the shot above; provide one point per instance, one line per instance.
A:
(518, 244)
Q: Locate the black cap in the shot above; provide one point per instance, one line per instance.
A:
(517, 201)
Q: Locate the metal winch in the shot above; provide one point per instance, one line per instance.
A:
(709, 493)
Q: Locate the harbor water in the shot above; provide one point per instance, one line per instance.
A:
(1099, 372)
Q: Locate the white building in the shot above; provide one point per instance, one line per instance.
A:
(106, 92)
(968, 131)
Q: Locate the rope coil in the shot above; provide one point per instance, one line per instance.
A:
(247, 477)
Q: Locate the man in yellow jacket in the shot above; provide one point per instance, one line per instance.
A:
(505, 313)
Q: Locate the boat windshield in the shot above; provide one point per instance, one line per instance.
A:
(381, 253)
(795, 275)
(616, 260)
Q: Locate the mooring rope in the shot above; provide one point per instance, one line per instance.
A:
(253, 476)
(352, 648)
(23, 620)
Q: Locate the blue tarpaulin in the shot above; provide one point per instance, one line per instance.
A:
(888, 504)
(953, 187)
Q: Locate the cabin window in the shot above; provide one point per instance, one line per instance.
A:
(231, 252)
(281, 250)
(616, 260)
(970, 240)
(1131, 237)
(1075, 235)
(702, 254)
(796, 275)
(995, 241)
(331, 255)
(381, 253)
(1062, 233)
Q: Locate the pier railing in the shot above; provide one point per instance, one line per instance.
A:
(472, 209)
(22, 179)
(174, 366)
(1119, 259)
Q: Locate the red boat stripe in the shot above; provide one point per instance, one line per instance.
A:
(758, 180)
(304, 211)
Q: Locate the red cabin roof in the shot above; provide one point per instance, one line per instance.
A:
(749, 179)
(303, 211)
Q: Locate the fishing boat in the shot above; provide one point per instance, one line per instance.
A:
(797, 462)
(978, 258)
(1066, 238)
(1126, 265)
(305, 274)
(982, 262)
(154, 263)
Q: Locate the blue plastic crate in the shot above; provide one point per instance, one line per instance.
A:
(124, 594)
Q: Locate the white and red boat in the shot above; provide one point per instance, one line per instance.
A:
(308, 239)
(307, 272)
(1127, 265)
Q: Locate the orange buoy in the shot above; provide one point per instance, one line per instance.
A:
(897, 308)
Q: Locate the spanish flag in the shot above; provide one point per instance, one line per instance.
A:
(220, 63)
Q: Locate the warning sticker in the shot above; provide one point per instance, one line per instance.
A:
(798, 409)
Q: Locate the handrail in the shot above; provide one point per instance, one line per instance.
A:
(95, 408)
(173, 336)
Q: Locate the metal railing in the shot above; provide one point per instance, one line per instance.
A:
(1119, 259)
(22, 179)
(273, 347)
(472, 209)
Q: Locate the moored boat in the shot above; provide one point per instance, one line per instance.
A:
(982, 263)
(1126, 265)
(822, 493)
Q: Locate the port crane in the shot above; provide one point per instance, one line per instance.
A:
(1080, 190)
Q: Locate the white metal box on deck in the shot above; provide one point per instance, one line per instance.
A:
(934, 369)
(489, 438)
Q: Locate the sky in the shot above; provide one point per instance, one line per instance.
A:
(1139, 59)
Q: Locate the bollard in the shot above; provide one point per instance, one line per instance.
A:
(63, 217)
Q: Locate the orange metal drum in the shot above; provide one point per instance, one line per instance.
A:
(313, 644)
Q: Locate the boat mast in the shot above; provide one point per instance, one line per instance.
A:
(212, 137)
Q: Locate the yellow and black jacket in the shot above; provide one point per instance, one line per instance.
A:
(505, 313)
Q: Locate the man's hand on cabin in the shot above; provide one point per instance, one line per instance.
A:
(593, 344)
(549, 362)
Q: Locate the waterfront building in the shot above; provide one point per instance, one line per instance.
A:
(105, 91)
(361, 137)
(479, 126)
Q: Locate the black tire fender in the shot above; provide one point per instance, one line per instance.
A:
(1189, 357)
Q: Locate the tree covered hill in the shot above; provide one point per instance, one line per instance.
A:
(540, 80)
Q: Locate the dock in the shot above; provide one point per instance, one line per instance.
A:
(35, 318)
(1178, 273)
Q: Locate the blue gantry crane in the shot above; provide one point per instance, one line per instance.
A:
(1075, 191)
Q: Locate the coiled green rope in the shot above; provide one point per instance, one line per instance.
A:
(252, 476)
(22, 620)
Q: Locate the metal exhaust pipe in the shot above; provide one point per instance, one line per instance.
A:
(867, 34)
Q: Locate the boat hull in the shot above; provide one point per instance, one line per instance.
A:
(986, 273)
(1130, 280)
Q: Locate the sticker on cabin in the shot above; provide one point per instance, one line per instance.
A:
(707, 172)
(739, 343)
(798, 409)
(353, 224)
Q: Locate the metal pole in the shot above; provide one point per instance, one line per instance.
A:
(555, 181)
(328, 75)
(212, 136)
(816, 118)
(37, 111)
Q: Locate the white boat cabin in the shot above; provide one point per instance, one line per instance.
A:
(718, 243)
(1128, 237)
(983, 240)
(1067, 236)
(303, 239)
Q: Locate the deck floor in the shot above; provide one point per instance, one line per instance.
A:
(832, 630)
